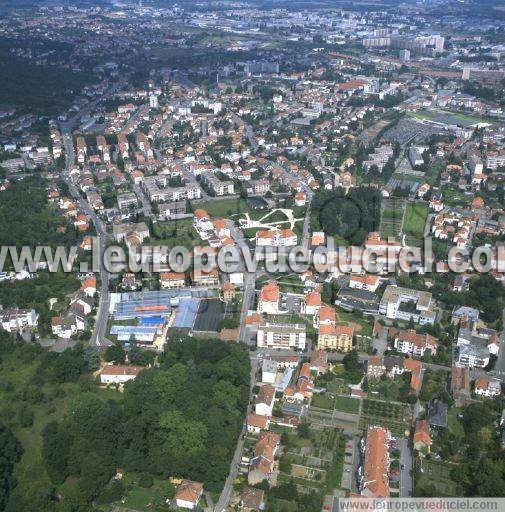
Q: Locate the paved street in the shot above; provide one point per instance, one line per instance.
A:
(98, 336)
(405, 473)
(224, 498)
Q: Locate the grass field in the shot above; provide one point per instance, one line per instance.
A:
(323, 401)
(337, 386)
(176, 232)
(347, 316)
(391, 217)
(347, 404)
(145, 498)
(227, 208)
(415, 220)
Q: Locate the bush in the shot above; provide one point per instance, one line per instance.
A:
(145, 480)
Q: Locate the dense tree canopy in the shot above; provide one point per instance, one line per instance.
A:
(180, 418)
(10, 452)
(348, 216)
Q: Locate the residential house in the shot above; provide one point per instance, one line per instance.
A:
(252, 500)
(119, 374)
(188, 494)
(66, 327)
(262, 462)
(422, 439)
(269, 299)
(311, 303)
(15, 320)
(264, 402)
(319, 361)
(367, 282)
(205, 278)
(276, 238)
(172, 280)
(335, 337)
(325, 316)
(256, 423)
(487, 387)
(88, 287)
(229, 292)
(437, 413)
(409, 342)
(268, 371)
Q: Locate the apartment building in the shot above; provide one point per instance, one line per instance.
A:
(375, 479)
(281, 336)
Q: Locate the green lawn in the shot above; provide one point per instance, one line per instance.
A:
(338, 386)
(415, 220)
(322, 401)
(347, 404)
(176, 232)
(140, 498)
(227, 208)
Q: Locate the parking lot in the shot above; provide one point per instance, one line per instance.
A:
(290, 303)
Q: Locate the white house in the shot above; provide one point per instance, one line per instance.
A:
(268, 371)
(188, 494)
(14, 320)
(487, 387)
(119, 374)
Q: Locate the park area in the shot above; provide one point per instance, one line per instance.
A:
(415, 220)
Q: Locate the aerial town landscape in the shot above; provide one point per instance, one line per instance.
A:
(286, 229)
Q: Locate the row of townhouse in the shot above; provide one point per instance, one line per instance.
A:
(158, 191)
(218, 187)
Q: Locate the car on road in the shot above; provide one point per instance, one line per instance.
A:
(402, 466)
